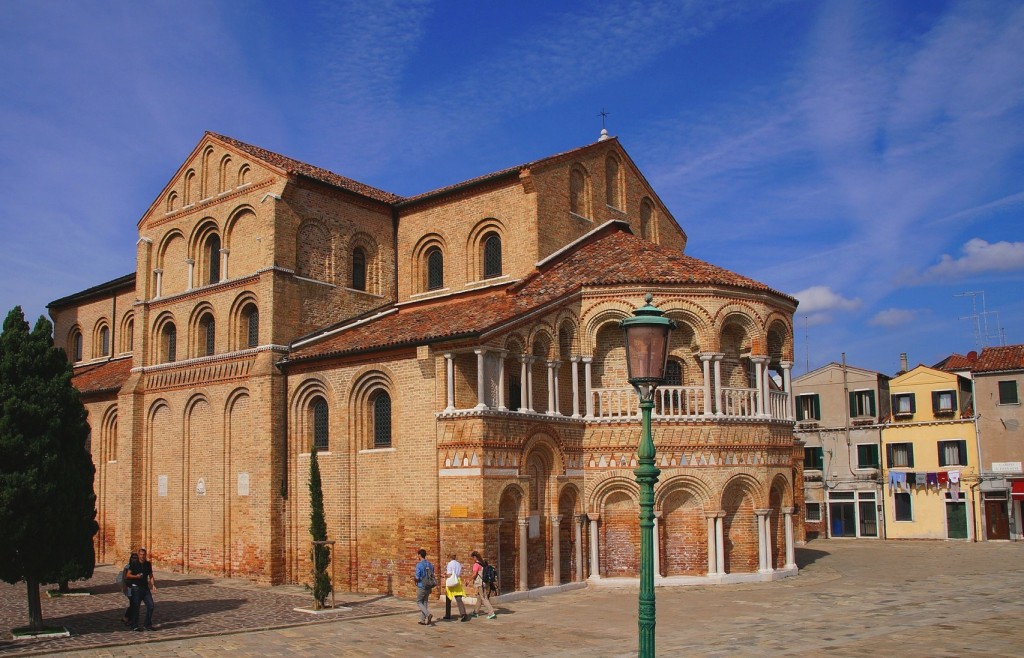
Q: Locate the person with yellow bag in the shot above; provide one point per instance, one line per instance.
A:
(453, 589)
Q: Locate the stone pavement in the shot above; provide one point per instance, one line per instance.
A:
(852, 598)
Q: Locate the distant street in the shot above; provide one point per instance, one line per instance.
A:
(852, 598)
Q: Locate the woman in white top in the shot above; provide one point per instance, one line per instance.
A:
(453, 589)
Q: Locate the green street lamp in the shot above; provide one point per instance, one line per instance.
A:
(646, 334)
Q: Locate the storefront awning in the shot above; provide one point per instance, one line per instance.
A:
(1017, 489)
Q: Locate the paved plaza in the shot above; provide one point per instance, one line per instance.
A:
(852, 598)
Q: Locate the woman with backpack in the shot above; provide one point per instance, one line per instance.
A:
(483, 578)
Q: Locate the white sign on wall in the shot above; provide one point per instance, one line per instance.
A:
(243, 484)
(1006, 467)
(161, 485)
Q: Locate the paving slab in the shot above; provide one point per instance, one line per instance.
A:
(852, 598)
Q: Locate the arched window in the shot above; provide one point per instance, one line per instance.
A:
(646, 219)
(128, 335)
(382, 420)
(613, 183)
(492, 256)
(76, 345)
(104, 341)
(435, 269)
(358, 269)
(577, 193)
(212, 254)
(207, 329)
(251, 318)
(169, 342)
(321, 433)
(673, 373)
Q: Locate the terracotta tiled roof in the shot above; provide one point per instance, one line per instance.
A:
(301, 168)
(102, 377)
(1010, 357)
(612, 257)
(957, 362)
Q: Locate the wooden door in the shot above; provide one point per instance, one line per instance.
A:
(997, 522)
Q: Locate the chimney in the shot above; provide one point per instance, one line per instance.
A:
(903, 362)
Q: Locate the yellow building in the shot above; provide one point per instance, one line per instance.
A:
(931, 457)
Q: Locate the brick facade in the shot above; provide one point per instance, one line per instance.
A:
(276, 304)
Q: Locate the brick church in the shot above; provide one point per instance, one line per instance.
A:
(455, 357)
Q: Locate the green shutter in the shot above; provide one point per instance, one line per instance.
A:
(888, 455)
(910, 455)
(942, 453)
(817, 407)
(913, 405)
(871, 401)
(853, 404)
(954, 400)
(799, 407)
(963, 452)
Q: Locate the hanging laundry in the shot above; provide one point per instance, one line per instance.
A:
(901, 480)
(933, 480)
(892, 481)
(954, 477)
(943, 479)
(922, 480)
(954, 490)
(911, 480)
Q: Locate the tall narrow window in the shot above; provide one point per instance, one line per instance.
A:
(358, 269)
(207, 331)
(492, 256)
(673, 373)
(252, 326)
(515, 394)
(577, 193)
(213, 259)
(435, 269)
(646, 219)
(104, 341)
(170, 343)
(382, 420)
(129, 336)
(76, 345)
(612, 196)
(321, 436)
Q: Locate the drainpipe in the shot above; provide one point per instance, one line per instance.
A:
(881, 482)
(977, 442)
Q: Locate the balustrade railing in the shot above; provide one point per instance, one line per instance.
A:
(739, 401)
(686, 402)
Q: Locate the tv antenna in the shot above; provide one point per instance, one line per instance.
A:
(984, 335)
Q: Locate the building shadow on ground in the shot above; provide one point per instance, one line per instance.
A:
(807, 556)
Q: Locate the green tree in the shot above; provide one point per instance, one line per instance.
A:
(321, 553)
(47, 504)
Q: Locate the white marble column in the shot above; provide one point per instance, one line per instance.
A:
(595, 561)
(224, 264)
(529, 383)
(587, 361)
(656, 553)
(558, 404)
(556, 551)
(523, 550)
(552, 394)
(762, 547)
(578, 523)
(758, 362)
(450, 380)
(720, 541)
(191, 272)
(705, 362)
(712, 546)
(481, 378)
(787, 513)
(524, 370)
(502, 384)
(575, 386)
(718, 383)
(787, 386)
(159, 282)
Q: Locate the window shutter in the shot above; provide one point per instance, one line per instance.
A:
(817, 407)
(910, 454)
(962, 445)
(853, 403)
(913, 405)
(888, 455)
(895, 405)
(799, 407)
(871, 403)
(942, 453)
(936, 404)
(954, 400)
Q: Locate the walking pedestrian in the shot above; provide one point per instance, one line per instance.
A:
(425, 583)
(483, 579)
(148, 586)
(134, 576)
(453, 589)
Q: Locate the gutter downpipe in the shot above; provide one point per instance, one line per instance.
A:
(977, 443)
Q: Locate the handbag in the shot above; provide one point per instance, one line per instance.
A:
(452, 581)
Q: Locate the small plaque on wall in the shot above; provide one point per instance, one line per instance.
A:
(534, 526)
(201, 487)
(161, 485)
(243, 484)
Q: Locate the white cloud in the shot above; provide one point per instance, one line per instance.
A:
(893, 317)
(979, 256)
(823, 298)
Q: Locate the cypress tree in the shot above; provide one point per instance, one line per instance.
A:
(321, 553)
(47, 504)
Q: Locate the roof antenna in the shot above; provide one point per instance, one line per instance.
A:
(604, 131)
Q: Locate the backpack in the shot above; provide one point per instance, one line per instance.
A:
(120, 580)
(428, 581)
(489, 574)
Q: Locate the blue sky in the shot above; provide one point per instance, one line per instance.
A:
(866, 157)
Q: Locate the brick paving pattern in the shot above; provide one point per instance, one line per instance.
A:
(852, 598)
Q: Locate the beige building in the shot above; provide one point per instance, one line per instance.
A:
(456, 359)
(840, 411)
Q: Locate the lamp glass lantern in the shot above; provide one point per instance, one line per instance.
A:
(647, 334)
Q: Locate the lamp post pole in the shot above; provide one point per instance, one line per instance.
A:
(646, 476)
(646, 336)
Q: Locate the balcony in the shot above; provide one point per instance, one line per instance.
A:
(687, 402)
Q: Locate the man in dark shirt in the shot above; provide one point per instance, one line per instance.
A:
(148, 585)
